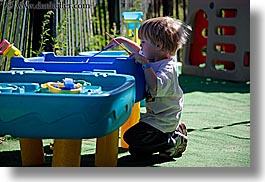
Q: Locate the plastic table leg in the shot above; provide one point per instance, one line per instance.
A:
(66, 153)
(32, 153)
(133, 119)
(107, 150)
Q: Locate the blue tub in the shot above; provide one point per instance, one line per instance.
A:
(105, 54)
(107, 61)
(33, 114)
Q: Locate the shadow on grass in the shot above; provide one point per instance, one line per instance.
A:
(220, 127)
(126, 161)
(191, 83)
(13, 159)
(10, 159)
(129, 161)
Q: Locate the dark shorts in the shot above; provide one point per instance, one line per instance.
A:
(144, 139)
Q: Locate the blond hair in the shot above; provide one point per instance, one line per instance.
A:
(165, 32)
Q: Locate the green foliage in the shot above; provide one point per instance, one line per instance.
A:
(60, 41)
(44, 37)
(96, 42)
(137, 6)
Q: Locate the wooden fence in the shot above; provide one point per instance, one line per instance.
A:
(68, 27)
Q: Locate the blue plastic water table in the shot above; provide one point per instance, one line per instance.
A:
(34, 113)
(105, 54)
(108, 61)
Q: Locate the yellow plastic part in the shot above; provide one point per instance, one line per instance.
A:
(133, 34)
(32, 153)
(56, 87)
(11, 51)
(8, 50)
(133, 119)
(67, 153)
(107, 150)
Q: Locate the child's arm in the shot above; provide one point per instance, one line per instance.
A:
(132, 46)
(150, 75)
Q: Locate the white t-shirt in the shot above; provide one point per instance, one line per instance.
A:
(163, 108)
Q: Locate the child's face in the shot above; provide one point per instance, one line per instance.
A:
(149, 50)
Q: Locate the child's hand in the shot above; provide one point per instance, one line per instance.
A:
(115, 42)
(139, 58)
(112, 44)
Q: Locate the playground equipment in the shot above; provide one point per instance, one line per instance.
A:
(91, 63)
(219, 46)
(86, 64)
(115, 62)
(115, 101)
(35, 114)
(107, 61)
(132, 21)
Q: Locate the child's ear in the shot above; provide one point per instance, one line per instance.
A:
(157, 46)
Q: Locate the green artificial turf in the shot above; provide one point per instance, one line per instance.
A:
(217, 114)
